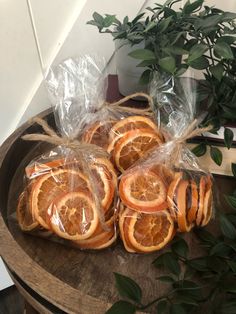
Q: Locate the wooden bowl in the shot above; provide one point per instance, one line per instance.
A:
(52, 277)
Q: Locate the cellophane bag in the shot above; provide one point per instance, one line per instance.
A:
(119, 129)
(70, 191)
(167, 191)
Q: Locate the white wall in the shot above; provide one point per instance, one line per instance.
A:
(19, 62)
(83, 39)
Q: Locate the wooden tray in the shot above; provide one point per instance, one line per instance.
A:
(72, 280)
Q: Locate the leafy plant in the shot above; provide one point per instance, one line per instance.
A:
(196, 36)
(206, 283)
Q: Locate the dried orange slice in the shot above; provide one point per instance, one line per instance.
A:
(132, 123)
(24, 214)
(50, 187)
(202, 192)
(100, 238)
(143, 191)
(165, 173)
(150, 232)
(124, 219)
(171, 194)
(74, 216)
(182, 203)
(98, 133)
(133, 145)
(105, 181)
(193, 195)
(207, 203)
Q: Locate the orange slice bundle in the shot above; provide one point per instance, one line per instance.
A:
(190, 201)
(157, 195)
(145, 233)
(62, 200)
(126, 140)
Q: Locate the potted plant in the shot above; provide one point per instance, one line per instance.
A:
(195, 36)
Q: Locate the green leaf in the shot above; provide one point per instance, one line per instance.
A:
(146, 63)
(191, 7)
(223, 49)
(164, 24)
(208, 22)
(189, 288)
(177, 309)
(217, 71)
(198, 264)
(227, 227)
(227, 39)
(150, 25)
(220, 249)
(142, 54)
(171, 262)
(233, 168)
(162, 307)
(228, 307)
(228, 137)
(167, 64)
(138, 17)
(128, 288)
(200, 63)
(183, 68)
(180, 247)
(232, 265)
(109, 20)
(166, 279)
(228, 16)
(159, 261)
(98, 18)
(182, 298)
(197, 51)
(216, 264)
(205, 236)
(122, 307)
(145, 77)
(231, 200)
(216, 155)
(200, 149)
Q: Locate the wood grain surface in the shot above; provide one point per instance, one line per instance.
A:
(75, 281)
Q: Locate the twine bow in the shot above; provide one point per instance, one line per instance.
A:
(126, 109)
(191, 131)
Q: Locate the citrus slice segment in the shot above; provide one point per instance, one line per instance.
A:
(143, 191)
(150, 232)
(132, 123)
(100, 236)
(98, 133)
(202, 191)
(182, 203)
(192, 213)
(124, 218)
(49, 187)
(132, 146)
(171, 194)
(24, 214)
(74, 216)
(105, 180)
(208, 203)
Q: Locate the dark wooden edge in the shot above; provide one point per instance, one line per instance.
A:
(38, 279)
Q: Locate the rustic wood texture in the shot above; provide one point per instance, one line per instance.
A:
(74, 281)
(11, 302)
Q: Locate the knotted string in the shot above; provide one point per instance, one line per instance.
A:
(191, 131)
(126, 109)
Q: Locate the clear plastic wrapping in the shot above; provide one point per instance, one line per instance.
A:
(167, 191)
(71, 190)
